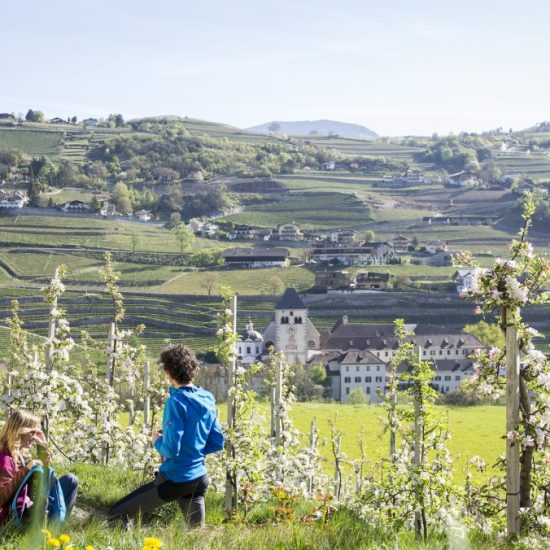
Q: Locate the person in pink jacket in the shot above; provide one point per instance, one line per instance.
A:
(20, 432)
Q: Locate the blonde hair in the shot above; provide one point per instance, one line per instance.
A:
(18, 424)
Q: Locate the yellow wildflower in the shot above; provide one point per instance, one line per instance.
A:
(89, 547)
(46, 533)
(151, 543)
(54, 542)
(64, 539)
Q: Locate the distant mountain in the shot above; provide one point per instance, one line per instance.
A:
(315, 127)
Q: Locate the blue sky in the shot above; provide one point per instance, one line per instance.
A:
(399, 67)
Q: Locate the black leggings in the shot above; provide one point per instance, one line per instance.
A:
(189, 495)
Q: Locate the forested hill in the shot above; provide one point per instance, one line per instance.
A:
(316, 128)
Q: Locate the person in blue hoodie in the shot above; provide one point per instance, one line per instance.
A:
(190, 431)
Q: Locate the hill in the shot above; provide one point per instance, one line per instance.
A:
(315, 127)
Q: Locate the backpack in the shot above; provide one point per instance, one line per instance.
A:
(56, 507)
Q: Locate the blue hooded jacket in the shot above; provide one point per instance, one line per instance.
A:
(190, 432)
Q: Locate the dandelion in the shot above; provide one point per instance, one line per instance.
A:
(151, 543)
(46, 533)
(54, 543)
(64, 539)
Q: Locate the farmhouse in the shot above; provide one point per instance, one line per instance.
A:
(344, 237)
(465, 278)
(400, 244)
(143, 215)
(108, 209)
(13, 199)
(439, 259)
(90, 121)
(58, 120)
(325, 280)
(75, 206)
(366, 254)
(369, 280)
(256, 257)
(288, 232)
(6, 116)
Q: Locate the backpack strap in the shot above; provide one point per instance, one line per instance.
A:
(13, 507)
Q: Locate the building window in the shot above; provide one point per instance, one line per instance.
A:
(284, 320)
(447, 378)
(347, 391)
(357, 379)
(298, 321)
(437, 378)
(257, 350)
(432, 353)
(456, 352)
(347, 369)
(378, 379)
(464, 352)
(347, 379)
(386, 353)
(448, 352)
(368, 368)
(457, 377)
(377, 368)
(357, 368)
(368, 389)
(368, 379)
(440, 352)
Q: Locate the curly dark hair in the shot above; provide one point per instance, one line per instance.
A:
(180, 363)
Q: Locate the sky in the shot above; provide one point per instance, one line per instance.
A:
(400, 67)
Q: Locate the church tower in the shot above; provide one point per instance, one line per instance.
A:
(291, 327)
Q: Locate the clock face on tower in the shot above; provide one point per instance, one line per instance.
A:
(291, 329)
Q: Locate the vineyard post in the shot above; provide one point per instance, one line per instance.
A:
(111, 346)
(51, 329)
(336, 446)
(231, 481)
(417, 447)
(512, 421)
(278, 397)
(312, 447)
(146, 396)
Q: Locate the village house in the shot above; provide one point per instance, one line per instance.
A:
(143, 215)
(366, 254)
(250, 345)
(400, 244)
(344, 237)
(90, 121)
(370, 280)
(256, 257)
(439, 259)
(330, 165)
(431, 247)
(326, 280)
(75, 206)
(463, 179)
(209, 230)
(58, 120)
(195, 225)
(465, 278)
(7, 116)
(243, 232)
(287, 232)
(13, 199)
(107, 209)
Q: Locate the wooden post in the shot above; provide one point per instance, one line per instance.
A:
(231, 481)
(111, 339)
(417, 450)
(51, 333)
(512, 422)
(278, 397)
(146, 396)
(313, 447)
(337, 473)
(273, 413)
(392, 426)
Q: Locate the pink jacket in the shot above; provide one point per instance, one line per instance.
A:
(10, 478)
